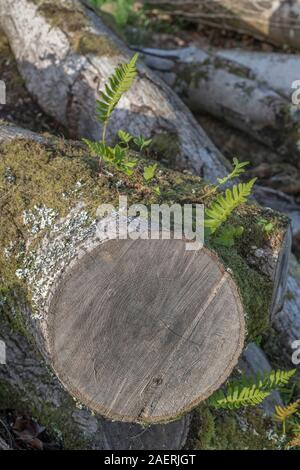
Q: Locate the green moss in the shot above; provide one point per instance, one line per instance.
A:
(236, 430)
(11, 300)
(58, 421)
(74, 23)
(166, 147)
(90, 43)
(255, 288)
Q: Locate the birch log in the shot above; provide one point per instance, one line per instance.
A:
(275, 20)
(61, 276)
(65, 53)
(279, 71)
(231, 91)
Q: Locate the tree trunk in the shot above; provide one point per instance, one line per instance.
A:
(143, 363)
(231, 91)
(275, 20)
(65, 53)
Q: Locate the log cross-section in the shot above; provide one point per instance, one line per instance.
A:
(137, 330)
(143, 330)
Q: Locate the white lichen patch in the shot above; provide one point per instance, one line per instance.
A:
(43, 266)
(39, 218)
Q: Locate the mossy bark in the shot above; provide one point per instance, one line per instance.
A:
(74, 53)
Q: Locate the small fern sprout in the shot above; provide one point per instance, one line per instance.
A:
(238, 168)
(149, 172)
(125, 137)
(142, 143)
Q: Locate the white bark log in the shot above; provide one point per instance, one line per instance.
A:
(278, 71)
(231, 91)
(275, 20)
(65, 53)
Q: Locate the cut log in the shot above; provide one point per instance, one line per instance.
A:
(230, 91)
(65, 53)
(120, 321)
(275, 20)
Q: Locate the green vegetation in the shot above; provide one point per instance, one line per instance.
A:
(120, 156)
(250, 392)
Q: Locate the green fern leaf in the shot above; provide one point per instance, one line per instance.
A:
(225, 204)
(237, 397)
(118, 84)
(277, 379)
(238, 169)
(251, 391)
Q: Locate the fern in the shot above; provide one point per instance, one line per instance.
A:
(224, 205)
(118, 84)
(125, 137)
(277, 379)
(250, 391)
(282, 413)
(236, 397)
(238, 169)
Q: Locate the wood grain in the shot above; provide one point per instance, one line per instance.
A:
(144, 330)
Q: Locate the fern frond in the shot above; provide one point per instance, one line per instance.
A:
(250, 391)
(236, 397)
(277, 379)
(225, 204)
(118, 84)
(284, 412)
(238, 169)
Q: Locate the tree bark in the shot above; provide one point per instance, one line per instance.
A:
(276, 21)
(231, 91)
(65, 53)
(278, 71)
(53, 253)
